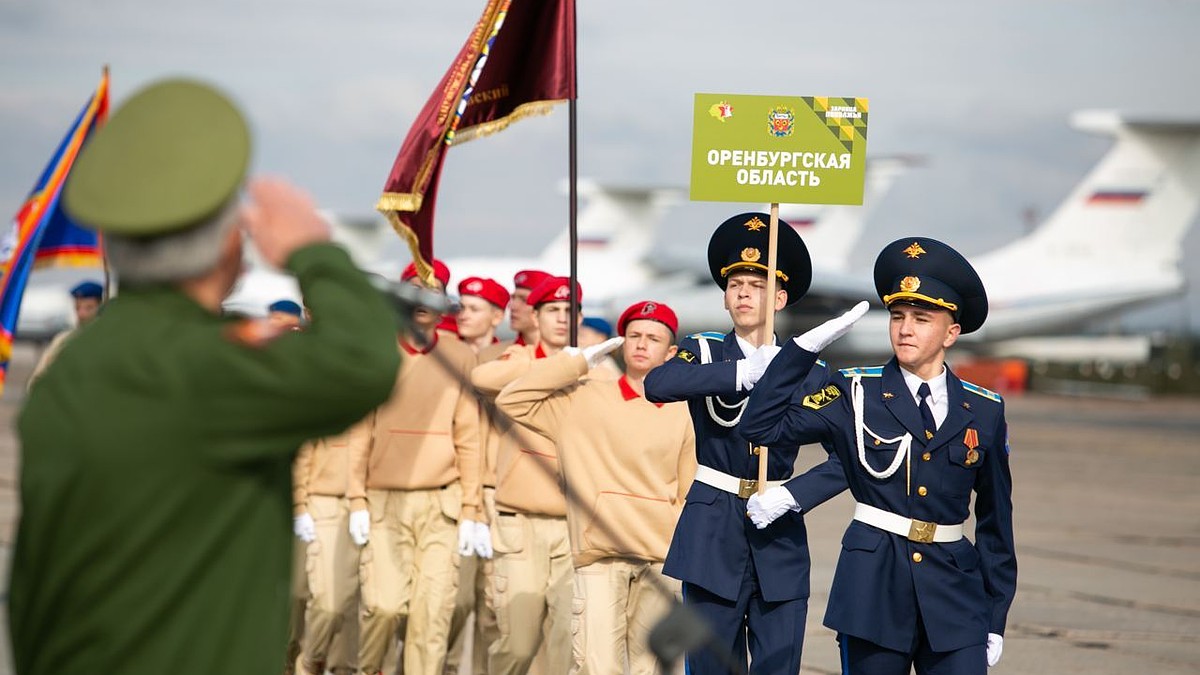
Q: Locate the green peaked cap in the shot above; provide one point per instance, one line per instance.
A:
(170, 158)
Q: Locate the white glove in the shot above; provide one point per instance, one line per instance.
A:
(995, 647)
(305, 528)
(751, 368)
(822, 336)
(466, 538)
(596, 353)
(483, 540)
(360, 527)
(766, 508)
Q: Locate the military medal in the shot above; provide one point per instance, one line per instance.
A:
(971, 440)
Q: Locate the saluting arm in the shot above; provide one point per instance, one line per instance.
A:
(489, 378)
(539, 399)
(774, 416)
(684, 377)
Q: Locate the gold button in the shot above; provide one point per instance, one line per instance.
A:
(877, 441)
(917, 557)
(922, 491)
(927, 457)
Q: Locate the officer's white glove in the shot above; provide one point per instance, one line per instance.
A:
(360, 527)
(596, 353)
(822, 336)
(766, 508)
(466, 538)
(995, 647)
(751, 368)
(305, 528)
(483, 540)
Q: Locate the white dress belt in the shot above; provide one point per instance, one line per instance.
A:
(915, 530)
(742, 487)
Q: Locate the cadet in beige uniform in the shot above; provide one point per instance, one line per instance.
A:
(520, 312)
(330, 565)
(482, 302)
(420, 477)
(628, 464)
(531, 572)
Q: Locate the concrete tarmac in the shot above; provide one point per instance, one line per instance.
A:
(1107, 500)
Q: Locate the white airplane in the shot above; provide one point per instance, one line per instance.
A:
(1113, 244)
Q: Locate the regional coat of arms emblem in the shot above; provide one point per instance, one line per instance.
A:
(780, 121)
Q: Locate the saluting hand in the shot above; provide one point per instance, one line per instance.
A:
(750, 369)
(822, 336)
(596, 353)
(282, 219)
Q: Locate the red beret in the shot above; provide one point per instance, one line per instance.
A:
(648, 309)
(440, 272)
(554, 289)
(529, 279)
(487, 289)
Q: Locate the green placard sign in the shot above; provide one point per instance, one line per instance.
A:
(785, 149)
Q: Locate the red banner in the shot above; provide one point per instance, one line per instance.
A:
(518, 61)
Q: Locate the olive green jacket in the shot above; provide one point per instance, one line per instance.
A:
(155, 529)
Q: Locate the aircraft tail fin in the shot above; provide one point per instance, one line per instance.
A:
(615, 223)
(1131, 212)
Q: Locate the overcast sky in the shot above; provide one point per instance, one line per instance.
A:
(982, 89)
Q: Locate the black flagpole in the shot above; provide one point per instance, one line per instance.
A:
(573, 179)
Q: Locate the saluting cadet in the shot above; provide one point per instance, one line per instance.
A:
(87, 296)
(750, 586)
(157, 451)
(330, 564)
(482, 303)
(531, 570)
(915, 442)
(411, 494)
(627, 465)
(520, 312)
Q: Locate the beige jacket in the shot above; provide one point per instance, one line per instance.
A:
(322, 467)
(427, 435)
(527, 477)
(628, 462)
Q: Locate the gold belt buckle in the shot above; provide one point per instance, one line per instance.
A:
(747, 487)
(921, 531)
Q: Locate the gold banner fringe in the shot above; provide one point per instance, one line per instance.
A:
(531, 109)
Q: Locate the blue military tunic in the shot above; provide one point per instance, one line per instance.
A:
(714, 541)
(961, 591)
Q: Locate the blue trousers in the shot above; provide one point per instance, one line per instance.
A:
(774, 631)
(861, 657)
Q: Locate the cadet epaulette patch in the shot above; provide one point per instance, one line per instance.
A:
(864, 371)
(709, 335)
(685, 355)
(252, 332)
(822, 364)
(822, 398)
(976, 389)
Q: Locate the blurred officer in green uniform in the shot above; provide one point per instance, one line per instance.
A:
(156, 455)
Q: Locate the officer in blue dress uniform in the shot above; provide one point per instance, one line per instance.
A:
(750, 586)
(915, 442)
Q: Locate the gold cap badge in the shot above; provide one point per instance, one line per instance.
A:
(909, 284)
(751, 254)
(915, 250)
(755, 224)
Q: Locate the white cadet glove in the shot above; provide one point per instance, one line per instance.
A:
(483, 540)
(766, 508)
(995, 647)
(360, 527)
(822, 336)
(596, 353)
(305, 528)
(466, 538)
(751, 368)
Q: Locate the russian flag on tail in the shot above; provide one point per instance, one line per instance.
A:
(41, 234)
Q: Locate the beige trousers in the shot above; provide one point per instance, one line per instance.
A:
(298, 595)
(616, 604)
(331, 568)
(474, 576)
(531, 585)
(409, 573)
